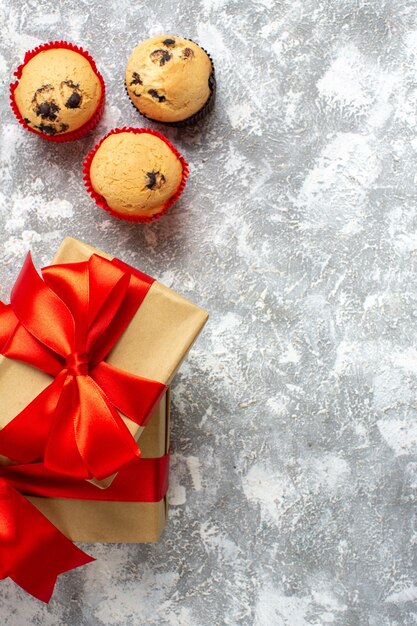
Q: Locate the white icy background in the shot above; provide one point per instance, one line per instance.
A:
(294, 435)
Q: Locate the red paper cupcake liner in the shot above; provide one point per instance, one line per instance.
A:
(79, 132)
(198, 115)
(101, 201)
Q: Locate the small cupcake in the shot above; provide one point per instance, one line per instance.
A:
(59, 93)
(135, 174)
(170, 80)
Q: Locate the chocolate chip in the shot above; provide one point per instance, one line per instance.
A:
(45, 106)
(70, 84)
(160, 56)
(73, 101)
(151, 179)
(169, 42)
(187, 53)
(47, 110)
(71, 94)
(41, 90)
(27, 120)
(47, 129)
(155, 180)
(155, 94)
(136, 79)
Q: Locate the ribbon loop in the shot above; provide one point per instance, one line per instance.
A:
(65, 322)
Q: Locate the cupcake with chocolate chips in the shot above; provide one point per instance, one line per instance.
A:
(135, 174)
(59, 93)
(171, 80)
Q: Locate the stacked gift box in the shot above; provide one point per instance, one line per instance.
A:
(84, 345)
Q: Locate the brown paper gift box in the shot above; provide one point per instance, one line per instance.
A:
(124, 522)
(153, 346)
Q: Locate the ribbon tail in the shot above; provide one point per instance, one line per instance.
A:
(33, 553)
(62, 452)
(88, 438)
(134, 396)
(106, 444)
(38, 574)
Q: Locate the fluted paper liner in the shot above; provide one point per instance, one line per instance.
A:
(85, 128)
(101, 201)
(198, 115)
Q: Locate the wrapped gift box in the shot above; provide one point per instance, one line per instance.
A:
(153, 346)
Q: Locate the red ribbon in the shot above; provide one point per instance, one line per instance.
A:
(33, 552)
(65, 323)
(145, 480)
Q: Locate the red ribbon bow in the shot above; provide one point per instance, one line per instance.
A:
(65, 324)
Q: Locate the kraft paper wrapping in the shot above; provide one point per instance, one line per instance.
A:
(153, 346)
(116, 522)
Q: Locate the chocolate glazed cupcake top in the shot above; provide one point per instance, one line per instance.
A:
(58, 91)
(167, 78)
